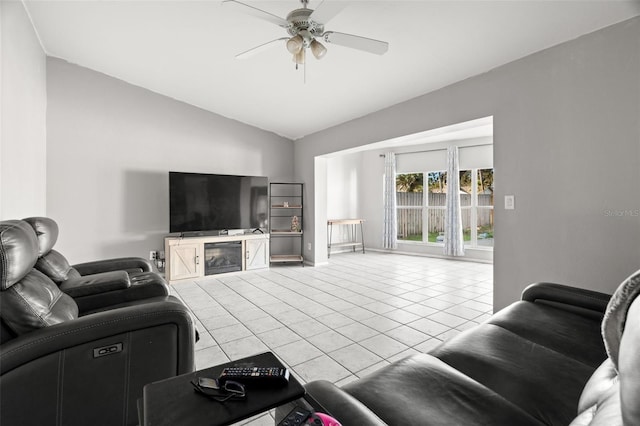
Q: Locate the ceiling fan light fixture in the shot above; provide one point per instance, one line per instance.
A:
(295, 44)
(298, 58)
(318, 49)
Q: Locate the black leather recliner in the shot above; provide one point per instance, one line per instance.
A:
(96, 284)
(60, 365)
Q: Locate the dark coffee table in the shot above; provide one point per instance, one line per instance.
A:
(174, 402)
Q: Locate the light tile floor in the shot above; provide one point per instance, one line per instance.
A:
(339, 321)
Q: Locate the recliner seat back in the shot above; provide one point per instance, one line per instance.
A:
(28, 299)
(50, 262)
(96, 284)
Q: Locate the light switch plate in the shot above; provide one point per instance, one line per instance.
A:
(509, 202)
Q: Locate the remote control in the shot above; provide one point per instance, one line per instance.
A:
(256, 376)
(296, 417)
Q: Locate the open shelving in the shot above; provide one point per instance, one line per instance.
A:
(285, 202)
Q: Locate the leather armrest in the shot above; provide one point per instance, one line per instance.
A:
(146, 314)
(133, 294)
(128, 264)
(325, 397)
(578, 300)
(96, 283)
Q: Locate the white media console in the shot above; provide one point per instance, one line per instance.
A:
(207, 255)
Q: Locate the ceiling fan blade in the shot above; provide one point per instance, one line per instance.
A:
(258, 13)
(356, 42)
(259, 49)
(326, 10)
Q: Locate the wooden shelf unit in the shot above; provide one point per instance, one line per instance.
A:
(285, 202)
(277, 232)
(282, 258)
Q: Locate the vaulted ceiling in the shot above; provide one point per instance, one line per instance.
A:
(186, 50)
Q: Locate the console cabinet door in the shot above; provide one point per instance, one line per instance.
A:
(256, 254)
(184, 261)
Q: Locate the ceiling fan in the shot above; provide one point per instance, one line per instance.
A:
(305, 26)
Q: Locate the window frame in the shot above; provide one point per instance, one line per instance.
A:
(474, 210)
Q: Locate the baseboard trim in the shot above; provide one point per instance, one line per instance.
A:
(408, 253)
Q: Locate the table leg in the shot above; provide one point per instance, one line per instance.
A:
(354, 236)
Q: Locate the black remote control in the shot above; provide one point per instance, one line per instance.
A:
(256, 376)
(296, 417)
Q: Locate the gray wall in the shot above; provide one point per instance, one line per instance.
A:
(110, 147)
(566, 144)
(23, 105)
(343, 186)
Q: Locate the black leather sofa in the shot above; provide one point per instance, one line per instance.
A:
(64, 365)
(540, 361)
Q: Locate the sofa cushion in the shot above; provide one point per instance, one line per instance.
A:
(534, 321)
(423, 390)
(46, 230)
(18, 251)
(35, 302)
(55, 266)
(539, 380)
(28, 299)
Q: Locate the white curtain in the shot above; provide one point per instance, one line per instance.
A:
(453, 238)
(390, 221)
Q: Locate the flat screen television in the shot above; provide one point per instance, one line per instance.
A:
(200, 202)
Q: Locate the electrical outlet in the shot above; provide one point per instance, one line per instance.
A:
(309, 246)
(152, 255)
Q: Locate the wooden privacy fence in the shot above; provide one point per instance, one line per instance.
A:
(410, 219)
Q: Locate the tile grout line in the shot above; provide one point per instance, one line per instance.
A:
(293, 286)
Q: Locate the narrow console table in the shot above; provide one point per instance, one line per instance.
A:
(173, 401)
(353, 234)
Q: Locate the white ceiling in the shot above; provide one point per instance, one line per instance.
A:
(186, 49)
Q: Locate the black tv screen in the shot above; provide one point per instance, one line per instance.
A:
(201, 202)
